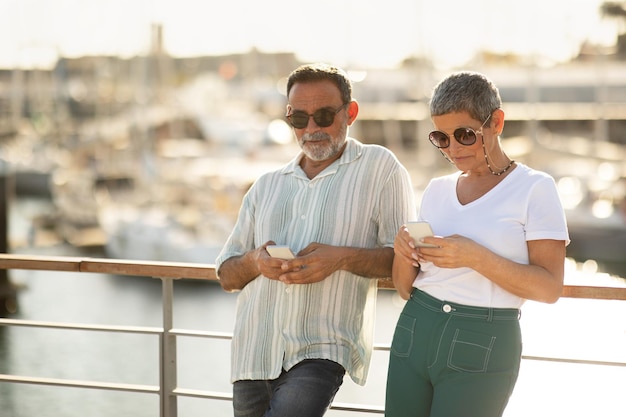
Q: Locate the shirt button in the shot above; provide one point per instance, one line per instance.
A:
(288, 290)
(446, 308)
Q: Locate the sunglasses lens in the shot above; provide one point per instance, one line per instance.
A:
(324, 117)
(298, 119)
(465, 136)
(439, 139)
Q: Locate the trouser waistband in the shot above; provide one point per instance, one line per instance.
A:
(448, 307)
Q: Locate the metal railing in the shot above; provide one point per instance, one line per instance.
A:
(168, 389)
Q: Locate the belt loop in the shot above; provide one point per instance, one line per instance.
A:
(490, 314)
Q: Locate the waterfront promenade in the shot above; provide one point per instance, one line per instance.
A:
(572, 328)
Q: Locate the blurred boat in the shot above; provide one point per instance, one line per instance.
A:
(179, 204)
(596, 216)
(164, 182)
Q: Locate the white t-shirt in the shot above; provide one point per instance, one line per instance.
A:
(524, 206)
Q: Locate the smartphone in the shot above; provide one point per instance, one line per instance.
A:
(280, 251)
(418, 230)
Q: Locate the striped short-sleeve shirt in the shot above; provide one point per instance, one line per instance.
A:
(361, 200)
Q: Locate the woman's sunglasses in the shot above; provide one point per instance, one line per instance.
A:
(466, 136)
(323, 117)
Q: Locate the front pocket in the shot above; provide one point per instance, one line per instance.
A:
(470, 351)
(402, 342)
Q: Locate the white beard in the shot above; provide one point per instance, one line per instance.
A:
(321, 146)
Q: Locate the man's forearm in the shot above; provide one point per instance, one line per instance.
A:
(369, 263)
(236, 272)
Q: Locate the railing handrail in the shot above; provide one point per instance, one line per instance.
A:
(155, 269)
(180, 270)
(167, 389)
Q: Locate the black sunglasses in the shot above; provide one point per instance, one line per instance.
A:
(323, 117)
(464, 135)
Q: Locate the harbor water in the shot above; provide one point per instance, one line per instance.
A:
(571, 328)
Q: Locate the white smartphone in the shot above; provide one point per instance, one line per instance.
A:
(280, 251)
(418, 230)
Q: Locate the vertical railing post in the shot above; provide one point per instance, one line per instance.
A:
(168, 382)
(8, 296)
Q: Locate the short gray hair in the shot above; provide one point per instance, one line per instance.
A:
(465, 91)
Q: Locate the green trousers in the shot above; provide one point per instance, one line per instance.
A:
(452, 360)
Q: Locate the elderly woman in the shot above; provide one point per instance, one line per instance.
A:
(500, 237)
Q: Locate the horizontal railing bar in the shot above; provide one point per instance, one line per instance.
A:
(201, 333)
(146, 389)
(180, 270)
(573, 361)
(41, 263)
(374, 409)
(74, 326)
(569, 291)
(596, 293)
(154, 269)
(212, 395)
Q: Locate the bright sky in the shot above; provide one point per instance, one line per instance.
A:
(350, 33)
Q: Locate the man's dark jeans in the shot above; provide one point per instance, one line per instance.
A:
(307, 390)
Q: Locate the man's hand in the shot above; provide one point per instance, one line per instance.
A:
(312, 264)
(271, 267)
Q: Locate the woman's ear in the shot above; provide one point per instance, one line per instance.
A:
(497, 121)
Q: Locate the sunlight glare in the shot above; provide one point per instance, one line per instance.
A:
(570, 191)
(279, 132)
(603, 208)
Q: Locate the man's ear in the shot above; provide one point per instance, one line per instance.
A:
(353, 111)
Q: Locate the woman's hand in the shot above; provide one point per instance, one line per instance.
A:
(453, 251)
(405, 263)
(404, 247)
